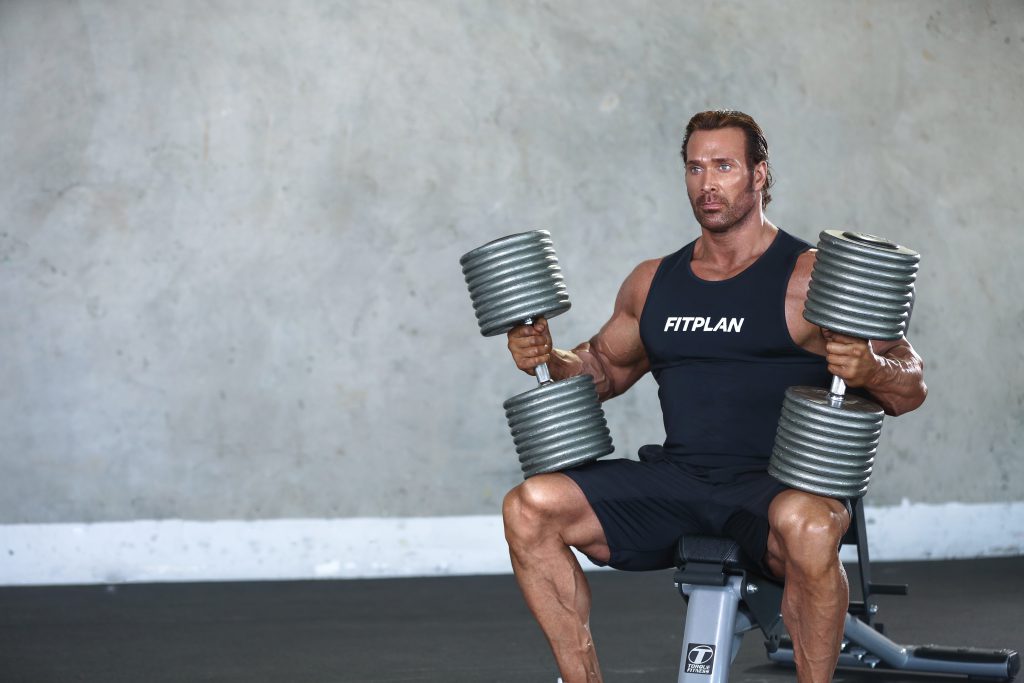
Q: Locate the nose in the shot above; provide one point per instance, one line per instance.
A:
(709, 183)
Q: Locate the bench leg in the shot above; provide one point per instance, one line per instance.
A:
(709, 638)
(867, 648)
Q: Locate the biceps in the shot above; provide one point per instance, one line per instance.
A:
(619, 348)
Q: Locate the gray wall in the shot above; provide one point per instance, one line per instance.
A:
(228, 259)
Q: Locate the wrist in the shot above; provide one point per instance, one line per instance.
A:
(563, 364)
(881, 375)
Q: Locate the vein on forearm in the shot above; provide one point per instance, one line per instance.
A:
(899, 384)
(584, 359)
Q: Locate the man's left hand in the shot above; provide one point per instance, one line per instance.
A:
(851, 359)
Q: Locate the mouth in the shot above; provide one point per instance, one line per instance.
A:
(711, 206)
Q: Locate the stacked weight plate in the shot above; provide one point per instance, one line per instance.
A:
(513, 279)
(517, 279)
(861, 286)
(824, 448)
(558, 425)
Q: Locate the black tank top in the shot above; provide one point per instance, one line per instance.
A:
(723, 356)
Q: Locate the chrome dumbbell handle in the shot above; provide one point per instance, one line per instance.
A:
(542, 372)
(837, 392)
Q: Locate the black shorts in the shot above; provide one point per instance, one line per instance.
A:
(644, 507)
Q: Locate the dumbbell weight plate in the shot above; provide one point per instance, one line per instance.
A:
(861, 285)
(514, 278)
(847, 471)
(558, 425)
(822, 486)
(823, 448)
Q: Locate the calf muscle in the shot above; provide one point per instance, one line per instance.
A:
(543, 516)
(803, 548)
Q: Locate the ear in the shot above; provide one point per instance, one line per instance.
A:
(760, 175)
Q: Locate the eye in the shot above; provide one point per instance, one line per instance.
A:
(725, 167)
(694, 170)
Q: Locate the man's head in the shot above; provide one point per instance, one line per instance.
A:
(756, 145)
(726, 157)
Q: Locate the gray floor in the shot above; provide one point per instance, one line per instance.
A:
(438, 629)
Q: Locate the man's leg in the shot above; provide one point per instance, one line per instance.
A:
(543, 516)
(803, 547)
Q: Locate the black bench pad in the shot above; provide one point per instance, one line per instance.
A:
(712, 549)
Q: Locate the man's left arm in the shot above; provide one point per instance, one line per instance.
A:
(890, 370)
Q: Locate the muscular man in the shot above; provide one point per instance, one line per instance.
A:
(720, 325)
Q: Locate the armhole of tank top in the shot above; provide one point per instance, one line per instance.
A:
(790, 267)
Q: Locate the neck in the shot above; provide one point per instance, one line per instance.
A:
(738, 244)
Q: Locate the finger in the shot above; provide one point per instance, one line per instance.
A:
(842, 349)
(536, 351)
(848, 365)
(835, 355)
(840, 338)
(838, 370)
(836, 352)
(534, 342)
(529, 363)
(529, 345)
(846, 339)
(525, 339)
(522, 331)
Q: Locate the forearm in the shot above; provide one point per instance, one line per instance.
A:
(581, 361)
(615, 357)
(898, 382)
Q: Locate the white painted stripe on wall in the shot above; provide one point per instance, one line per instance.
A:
(177, 550)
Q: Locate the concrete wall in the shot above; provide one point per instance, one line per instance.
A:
(228, 258)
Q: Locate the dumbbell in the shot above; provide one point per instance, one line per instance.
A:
(861, 286)
(514, 281)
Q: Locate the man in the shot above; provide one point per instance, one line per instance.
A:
(721, 390)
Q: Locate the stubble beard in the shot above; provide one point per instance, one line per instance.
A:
(731, 215)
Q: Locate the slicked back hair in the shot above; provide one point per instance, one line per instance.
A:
(757, 146)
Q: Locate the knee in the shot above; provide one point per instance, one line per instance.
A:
(810, 538)
(530, 506)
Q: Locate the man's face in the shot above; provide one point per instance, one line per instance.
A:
(722, 188)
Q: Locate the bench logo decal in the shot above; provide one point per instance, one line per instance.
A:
(700, 658)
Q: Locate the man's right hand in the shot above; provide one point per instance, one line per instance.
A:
(530, 345)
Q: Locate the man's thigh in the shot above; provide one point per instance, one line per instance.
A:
(740, 508)
(577, 523)
(643, 509)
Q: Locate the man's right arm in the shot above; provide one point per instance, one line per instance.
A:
(615, 356)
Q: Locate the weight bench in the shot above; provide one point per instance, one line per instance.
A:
(727, 597)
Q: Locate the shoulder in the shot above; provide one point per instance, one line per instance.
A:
(643, 274)
(645, 270)
(803, 267)
(635, 288)
(800, 278)
(805, 256)
(806, 334)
